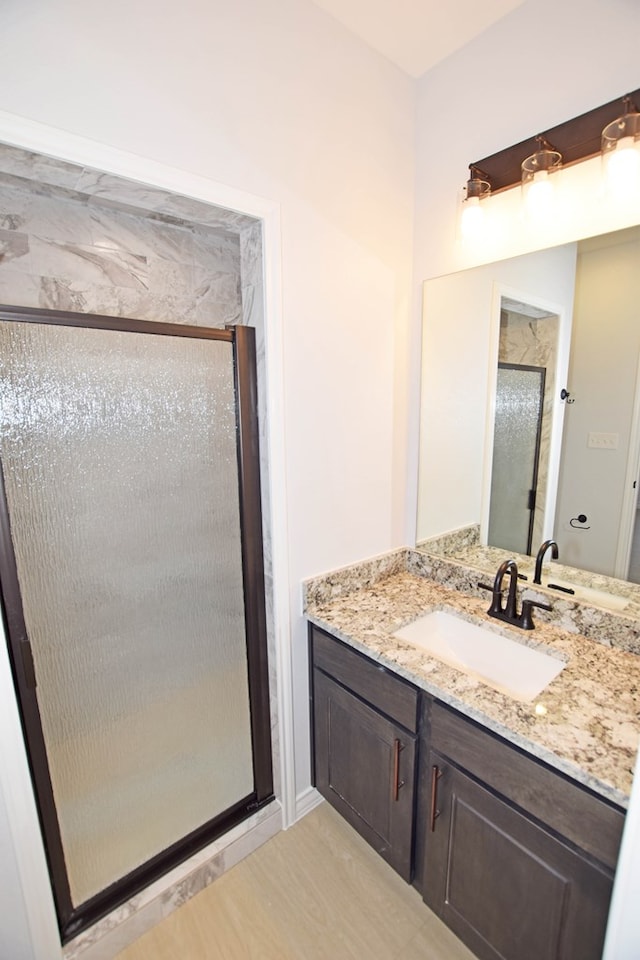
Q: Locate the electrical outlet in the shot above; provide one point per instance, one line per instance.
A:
(603, 441)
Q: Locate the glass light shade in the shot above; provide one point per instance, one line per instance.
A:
(472, 212)
(472, 217)
(539, 173)
(621, 154)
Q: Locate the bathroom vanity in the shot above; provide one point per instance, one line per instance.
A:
(506, 815)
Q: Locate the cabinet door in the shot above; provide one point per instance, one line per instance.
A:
(365, 767)
(506, 887)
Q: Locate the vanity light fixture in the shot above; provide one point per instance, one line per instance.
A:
(621, 151)
(534, 164)
(538, 175)
(472, 213)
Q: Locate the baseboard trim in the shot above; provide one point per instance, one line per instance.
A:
(306, 801)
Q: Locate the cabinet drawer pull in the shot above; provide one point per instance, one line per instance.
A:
(435, 776)
(397, 782)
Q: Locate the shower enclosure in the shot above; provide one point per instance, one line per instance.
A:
(133, 591)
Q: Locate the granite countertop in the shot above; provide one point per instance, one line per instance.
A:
(586, 723)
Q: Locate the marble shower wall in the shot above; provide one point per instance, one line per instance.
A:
(64, 252)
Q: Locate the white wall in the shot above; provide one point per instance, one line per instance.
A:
(278, 100)
(28, 929)
(605, 348)
(14, 924)
(541, 65)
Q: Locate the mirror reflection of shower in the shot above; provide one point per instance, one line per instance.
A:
(525, 387)
(516, 456)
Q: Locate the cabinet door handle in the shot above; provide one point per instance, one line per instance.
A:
(435, 776)
(397, 782)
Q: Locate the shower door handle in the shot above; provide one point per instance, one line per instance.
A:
(28, 665)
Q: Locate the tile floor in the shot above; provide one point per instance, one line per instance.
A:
(314, 892)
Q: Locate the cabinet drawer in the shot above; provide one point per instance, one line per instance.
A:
(395, 697)
(592, 824)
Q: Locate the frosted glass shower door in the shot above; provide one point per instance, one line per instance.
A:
(120, 460)
(516, 454)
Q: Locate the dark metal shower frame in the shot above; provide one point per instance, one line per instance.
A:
(533, 490)
(74, 919)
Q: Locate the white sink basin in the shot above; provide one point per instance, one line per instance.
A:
(609, 601)
(502, 663)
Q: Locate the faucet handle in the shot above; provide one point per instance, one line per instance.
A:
(526, 617)
(495, 610)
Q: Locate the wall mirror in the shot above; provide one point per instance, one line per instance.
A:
(530, 411)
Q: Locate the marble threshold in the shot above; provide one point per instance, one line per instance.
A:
(586, 723)
(110, 935)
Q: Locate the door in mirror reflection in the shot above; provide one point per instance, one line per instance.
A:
(524, 438)
(516, 456)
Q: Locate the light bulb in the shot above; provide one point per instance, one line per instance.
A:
(539, 176)
(472, 218)
(623, 167)
(621, 153)
(539, 195)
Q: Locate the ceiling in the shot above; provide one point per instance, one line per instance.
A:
(417, 34)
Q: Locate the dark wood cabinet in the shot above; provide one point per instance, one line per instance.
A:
(516, 858)
(364, 757)
(499, 874)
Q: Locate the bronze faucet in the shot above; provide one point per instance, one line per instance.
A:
(537, 577)
(509, 613)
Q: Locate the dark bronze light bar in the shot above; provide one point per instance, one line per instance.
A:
(576, 139)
